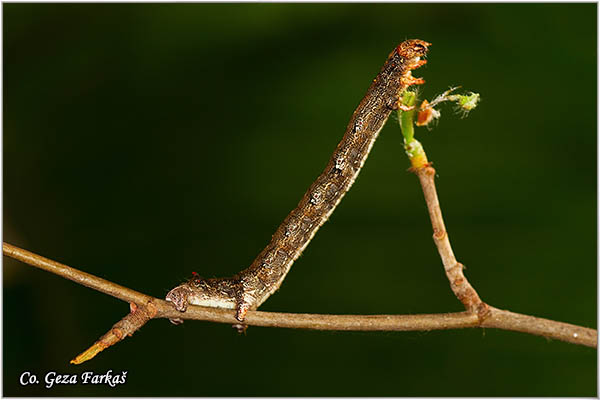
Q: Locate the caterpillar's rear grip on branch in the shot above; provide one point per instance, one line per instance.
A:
(252, 286)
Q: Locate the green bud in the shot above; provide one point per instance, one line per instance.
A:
(468, 101)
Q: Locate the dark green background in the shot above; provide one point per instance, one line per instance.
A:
(144, 142)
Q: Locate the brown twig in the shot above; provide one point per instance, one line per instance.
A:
(454, 270)
(83, 278)
(503, 319)
(422, 322)
(496, 318)
(127, 326)
(488, 316)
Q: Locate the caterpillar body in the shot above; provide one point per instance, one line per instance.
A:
(251, 287)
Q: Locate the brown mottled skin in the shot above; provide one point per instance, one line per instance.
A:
(252, 286)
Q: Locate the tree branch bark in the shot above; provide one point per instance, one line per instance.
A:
(75, 275)
(496, 318)
(454, 270)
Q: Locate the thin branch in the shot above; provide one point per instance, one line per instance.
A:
(496, 318)
(133, 321)
(83, 278)
(488, 316)
(454, 270)
(421, 322)
(503, 319)
(326, 322)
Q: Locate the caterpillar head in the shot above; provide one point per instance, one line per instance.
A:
(413, 48)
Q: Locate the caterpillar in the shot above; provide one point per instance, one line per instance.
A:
(248, 289)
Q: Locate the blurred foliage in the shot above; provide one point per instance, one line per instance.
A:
(144, 142)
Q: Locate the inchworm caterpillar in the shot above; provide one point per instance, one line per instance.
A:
(251, 287)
